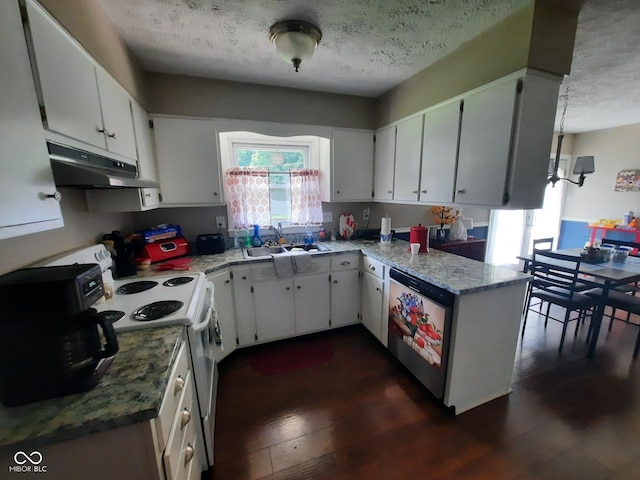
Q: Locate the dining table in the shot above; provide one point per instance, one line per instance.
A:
(606, 276)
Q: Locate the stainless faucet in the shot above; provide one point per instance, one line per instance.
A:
(278, 232)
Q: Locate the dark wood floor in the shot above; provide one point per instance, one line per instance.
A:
(362, 416)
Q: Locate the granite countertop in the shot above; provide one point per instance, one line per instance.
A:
(454, 273)
(131, 391)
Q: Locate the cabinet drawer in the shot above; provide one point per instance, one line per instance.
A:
(345, 262)
(267, 271)
(373, 266)
(175, 387)
(183, 432)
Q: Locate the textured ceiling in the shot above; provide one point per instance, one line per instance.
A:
(369, 46)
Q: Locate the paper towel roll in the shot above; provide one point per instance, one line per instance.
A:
(385, 226)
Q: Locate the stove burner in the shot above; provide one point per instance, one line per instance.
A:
(156, 310)
(173, 282)
(112, 315)
(135, 287)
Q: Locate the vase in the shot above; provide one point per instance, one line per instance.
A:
(440, 235)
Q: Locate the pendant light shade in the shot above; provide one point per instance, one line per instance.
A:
(295, 40)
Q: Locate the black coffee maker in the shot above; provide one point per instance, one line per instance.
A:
(50, 344)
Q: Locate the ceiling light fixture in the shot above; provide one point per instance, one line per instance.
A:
(295, 40)
(584, 165)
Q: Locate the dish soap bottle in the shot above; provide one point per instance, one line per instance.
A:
(256, 241)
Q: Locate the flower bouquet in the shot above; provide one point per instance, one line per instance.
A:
(444, 216)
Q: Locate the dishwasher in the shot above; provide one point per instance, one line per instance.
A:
(420, 328)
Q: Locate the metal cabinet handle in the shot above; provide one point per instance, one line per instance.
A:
(288, 288)
(389, 191)
(415, 191)
(379, 289)
(111, 135)
(57, 196)
(244, 277)
(299, 287)
(335, 281)
(346, 262)
(215, 194)
(100, 130)
(148, 195)
(185, 416)
(338, 192)
(462, 190)
(227, 282)
(424, 191)
(188, 454)
(371, 267)
(178, 385)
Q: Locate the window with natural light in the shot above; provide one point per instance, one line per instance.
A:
(270, 183)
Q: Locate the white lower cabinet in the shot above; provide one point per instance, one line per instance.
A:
(226, 310)
(373, 297)
(275, 317)
(345, 289)
(244, 306)
(312, 305)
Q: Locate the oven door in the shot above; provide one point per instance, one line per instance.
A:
(202, 336)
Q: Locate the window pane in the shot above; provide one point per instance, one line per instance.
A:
(277, 160)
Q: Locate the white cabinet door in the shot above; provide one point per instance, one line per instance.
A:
(116, 115)
(146, 155)
(352, 165)
(408, 154)
(485, 140)
(345, 298)
(372, 299)
(67, 81)
(225, 308)
(188, 161)
(245, 309)
(312, 303)
(275, 316)
(25, 172)
(384, 161)
(439, 149)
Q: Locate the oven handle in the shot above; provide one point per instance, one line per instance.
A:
(203, 324)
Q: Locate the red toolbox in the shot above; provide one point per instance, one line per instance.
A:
(161, 250)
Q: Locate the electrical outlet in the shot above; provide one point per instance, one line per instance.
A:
(220, 222)
(327, 217)
(365, 213)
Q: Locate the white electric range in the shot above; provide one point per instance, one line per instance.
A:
(176, 298)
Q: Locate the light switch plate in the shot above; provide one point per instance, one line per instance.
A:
(220, 222)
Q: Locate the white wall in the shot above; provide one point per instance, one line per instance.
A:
(614, 149)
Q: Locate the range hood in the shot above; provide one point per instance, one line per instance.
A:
(73, 167)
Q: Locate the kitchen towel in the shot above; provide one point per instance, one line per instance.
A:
(301, 262)
(283, 264)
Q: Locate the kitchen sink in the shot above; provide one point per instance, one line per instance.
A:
(253, 252)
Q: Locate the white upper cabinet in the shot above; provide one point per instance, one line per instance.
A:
(25, 172)
(439, 149)
(188, 161)
(407, 164)
(351, 168)
(385, 154)
(116, 116)
(80, 100)
(485, 138)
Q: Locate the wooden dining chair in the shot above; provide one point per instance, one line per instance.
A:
(629, 289)
(555, 281)
(620, 301)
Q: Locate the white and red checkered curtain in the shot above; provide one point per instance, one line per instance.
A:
(248, 199)
(306, 207)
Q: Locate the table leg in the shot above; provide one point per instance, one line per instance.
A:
(596, 321)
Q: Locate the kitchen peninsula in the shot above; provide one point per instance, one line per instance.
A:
(486, 313)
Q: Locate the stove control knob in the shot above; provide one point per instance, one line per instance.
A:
(178, 386)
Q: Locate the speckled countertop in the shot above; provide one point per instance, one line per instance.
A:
(454, 273)
(131, 391)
